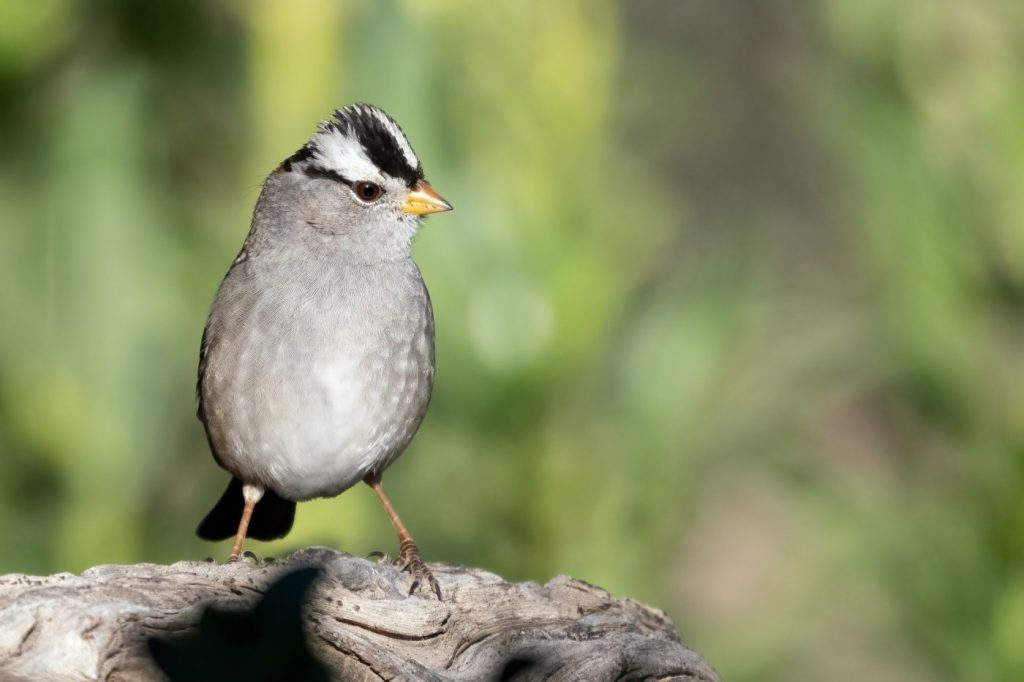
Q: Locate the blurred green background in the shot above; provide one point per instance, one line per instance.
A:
(730, 312)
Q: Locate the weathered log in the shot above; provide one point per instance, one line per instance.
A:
(359, 619)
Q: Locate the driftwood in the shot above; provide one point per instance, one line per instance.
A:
(359, 620)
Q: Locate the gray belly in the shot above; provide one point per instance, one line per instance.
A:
(311, 406)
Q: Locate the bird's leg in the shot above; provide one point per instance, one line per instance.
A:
(252, 494)
(408, 552)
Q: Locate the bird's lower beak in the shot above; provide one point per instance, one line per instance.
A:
(422, 200)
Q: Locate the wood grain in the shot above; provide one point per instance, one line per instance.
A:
(360, 622)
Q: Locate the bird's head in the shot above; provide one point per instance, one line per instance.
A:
(357, 178)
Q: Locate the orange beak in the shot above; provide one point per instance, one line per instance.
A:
(423, 200)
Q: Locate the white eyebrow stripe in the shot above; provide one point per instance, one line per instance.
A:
(397, 134)
(343, 154)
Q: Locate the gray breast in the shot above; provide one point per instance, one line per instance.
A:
(308, 386)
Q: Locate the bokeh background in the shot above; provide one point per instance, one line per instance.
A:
(730, 311)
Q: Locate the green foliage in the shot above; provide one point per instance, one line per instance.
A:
(729, 310)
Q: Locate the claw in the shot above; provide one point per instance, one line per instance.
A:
(409, 558)
(414, 566)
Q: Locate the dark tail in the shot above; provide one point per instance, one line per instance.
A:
(271, 519)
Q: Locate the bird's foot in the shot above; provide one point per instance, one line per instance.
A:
(409, 561)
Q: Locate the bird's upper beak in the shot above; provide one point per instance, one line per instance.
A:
(422, 200)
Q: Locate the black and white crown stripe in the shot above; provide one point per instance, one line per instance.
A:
(360, 143)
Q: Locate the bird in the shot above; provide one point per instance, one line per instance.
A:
(316, 363)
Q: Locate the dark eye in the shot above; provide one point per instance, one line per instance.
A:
(368, 191)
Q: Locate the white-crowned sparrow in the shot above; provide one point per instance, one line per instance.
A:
(317, 360)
